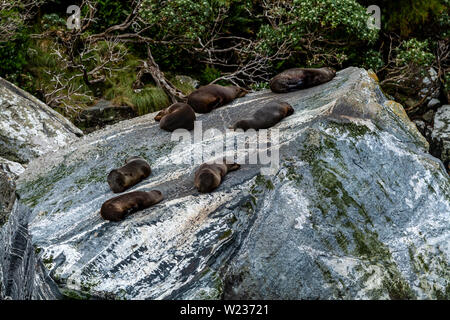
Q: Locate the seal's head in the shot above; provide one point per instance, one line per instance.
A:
(331, 71)
(207, 181)
(241, 124)
(240, 92)
(156, 195)
(288, 108)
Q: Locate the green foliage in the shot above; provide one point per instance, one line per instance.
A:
(372, 60)
(322, 23)
(189, 19)
(52, 21)
(415, 52)
(13, 57)
(118, 89)
(209, 74)
(110, 12)
(407, 15)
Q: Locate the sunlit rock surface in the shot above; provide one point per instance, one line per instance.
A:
(28, 127)
(357, 210)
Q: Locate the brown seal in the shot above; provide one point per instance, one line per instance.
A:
(209, 175)
(300, 78)
(117, 208)
(134, 171)
(212, 96)
(266, 117)
(177, 116)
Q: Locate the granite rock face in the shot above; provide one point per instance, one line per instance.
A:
(356, 209)
(28, 127)
(9, 172)
(440, 135)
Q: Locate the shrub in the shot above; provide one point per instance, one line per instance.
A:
(414, 52)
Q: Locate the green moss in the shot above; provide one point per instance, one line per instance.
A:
(342, 241)
(96, 175)
(261, 181)
(354, 130)
(293, 174)
(249, 206)
(48, 261)
(225, 235)
(33, 191)
(74, 295)
(329, 279)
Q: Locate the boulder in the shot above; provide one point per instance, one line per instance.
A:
(433, 104)
(28, 127)
(101, 114)
(355, 208)
(440, 136)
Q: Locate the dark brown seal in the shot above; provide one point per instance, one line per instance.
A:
(177, 116)
(117, 208)
(266, 117)
(134, 171)
(209, 175)
(300, 78)
(213, 96)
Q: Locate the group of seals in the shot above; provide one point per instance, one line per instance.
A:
(134, 171)
(207, 98)
(208, 176)
(203, 100)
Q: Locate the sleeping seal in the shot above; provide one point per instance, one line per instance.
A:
(266, 117)
(209, 175)
(177, 116)
(117, 208)
(300, 78)
(134, 171)
(213, 96)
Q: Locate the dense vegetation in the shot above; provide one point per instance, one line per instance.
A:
(121, 44)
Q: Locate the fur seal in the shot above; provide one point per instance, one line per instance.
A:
(209, 175)
(134, 171)
(117, 208)
(266, 117)
(177, 116)
(300, 78)
(213, 96)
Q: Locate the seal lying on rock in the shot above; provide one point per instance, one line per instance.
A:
(134, 171)
(177, 116)
(117, 208)
(300, 78)
(209, 175)
(266, 117)
(207, 98)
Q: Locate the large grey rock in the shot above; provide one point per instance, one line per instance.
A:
(441, 135)
(357, 209)
(28, 127)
